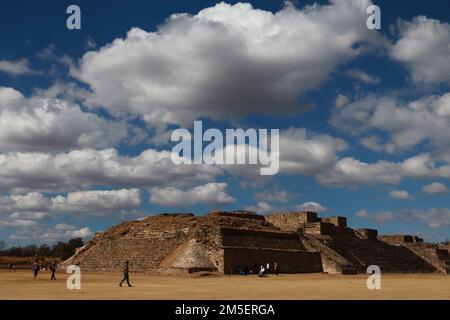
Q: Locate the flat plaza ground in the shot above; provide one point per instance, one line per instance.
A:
(20, 285)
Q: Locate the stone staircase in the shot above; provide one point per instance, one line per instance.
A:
(224, 240)
(433, 254)
(362, 253)
(143, 254)
(332, 261)
(144, 243)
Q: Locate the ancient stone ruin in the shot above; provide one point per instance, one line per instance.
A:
(227, 242)
(346, 250)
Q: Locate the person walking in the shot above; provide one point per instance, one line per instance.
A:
(36, 268)
(53, 268)
(275, 268)
(126, 277)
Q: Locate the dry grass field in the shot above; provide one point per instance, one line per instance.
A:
(20, 285)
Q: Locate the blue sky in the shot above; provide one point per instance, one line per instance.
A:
(85, 115)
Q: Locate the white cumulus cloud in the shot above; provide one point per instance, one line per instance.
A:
(261, 207)
(407, 123)
(81, 169)
(400, 194)
(226, 61)
(17, 67)
(97, 201)
(435, 188)
(311, 206)
(211, 194)
(424, 46)
(46, 124)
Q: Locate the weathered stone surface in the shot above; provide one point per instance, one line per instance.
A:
(191, 256)
(399, 239)
(185, 243)
(145, 243)
(293, 220)
(436, 255)
(231, 241)
(340, 222)
(320, 228)
(370, 234)
(344, 250)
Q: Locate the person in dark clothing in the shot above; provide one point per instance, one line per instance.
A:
(125, 274)
(53, 267)
(36, 269)
(275, 268)
(255, 268)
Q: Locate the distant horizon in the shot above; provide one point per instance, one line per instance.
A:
(213, 211)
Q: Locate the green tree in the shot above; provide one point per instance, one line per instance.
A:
(76, 243)
(30, 250)
(44, 251)
(66, 250)
(60, 250)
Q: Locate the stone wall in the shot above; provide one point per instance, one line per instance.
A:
(144, 243)
(340, 222)
(399, 239)
(320, 228)
(237, 214)
(260, 239)
(190, 256)
(293, 220)
(143, 254)
(224, 241)
(289, 261)
(361, 253)
(435, 255)
(370, 234)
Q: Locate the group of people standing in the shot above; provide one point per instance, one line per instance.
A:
(262, 270)
(53, 266)
(12, 267)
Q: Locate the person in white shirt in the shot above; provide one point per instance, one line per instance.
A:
(262, 271)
